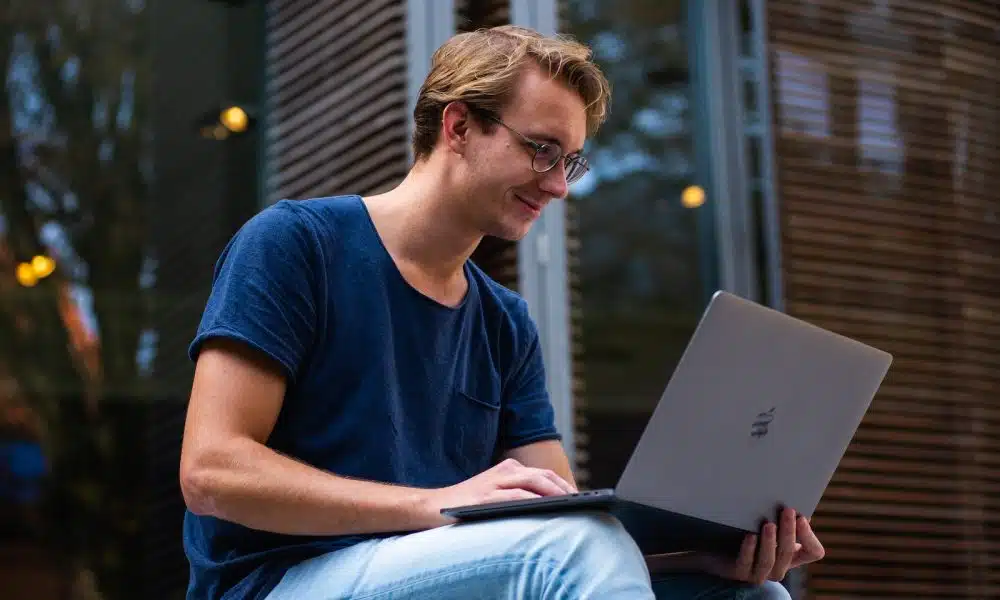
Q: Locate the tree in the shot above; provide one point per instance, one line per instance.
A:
(73, 187)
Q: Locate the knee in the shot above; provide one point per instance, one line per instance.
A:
(772, 590)
(575, 534)
(592, 555)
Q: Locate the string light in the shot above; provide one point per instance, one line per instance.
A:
(43, 266)
(29, 273)
(26, 275)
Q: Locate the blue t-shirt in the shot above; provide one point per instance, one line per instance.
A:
(384, 383)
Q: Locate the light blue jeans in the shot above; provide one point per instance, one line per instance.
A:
(571, 556)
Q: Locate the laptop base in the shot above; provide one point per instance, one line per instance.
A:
(655, 531)
(658, 531)
(588, 500)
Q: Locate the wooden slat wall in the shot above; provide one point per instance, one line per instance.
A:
(887, 125)
(337, 119)
(581, 436)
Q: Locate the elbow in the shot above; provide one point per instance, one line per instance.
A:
(198, 488)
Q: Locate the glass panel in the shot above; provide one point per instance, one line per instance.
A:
(640, 222)
(104, 263)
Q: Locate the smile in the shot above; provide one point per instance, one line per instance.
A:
(535, 208)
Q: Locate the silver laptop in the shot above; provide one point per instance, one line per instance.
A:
(756, 417)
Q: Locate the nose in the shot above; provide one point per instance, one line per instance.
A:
(553, 181)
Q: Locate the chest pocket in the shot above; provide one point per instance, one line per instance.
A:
(473, 426)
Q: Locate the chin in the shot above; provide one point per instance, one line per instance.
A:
(511, 233)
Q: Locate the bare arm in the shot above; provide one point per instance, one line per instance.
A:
(228, 472)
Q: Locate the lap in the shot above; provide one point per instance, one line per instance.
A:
(516, 558)
(580, 555)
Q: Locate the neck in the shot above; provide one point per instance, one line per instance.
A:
(421, 223)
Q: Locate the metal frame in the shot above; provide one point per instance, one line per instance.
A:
(428, 25)
(542, 267)
(720, 141)
(771, 217)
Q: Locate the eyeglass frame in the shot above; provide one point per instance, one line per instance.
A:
(574, 157)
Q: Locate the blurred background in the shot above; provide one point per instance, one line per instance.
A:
(835, 159)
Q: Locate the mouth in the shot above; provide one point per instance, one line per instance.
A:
(534, 207)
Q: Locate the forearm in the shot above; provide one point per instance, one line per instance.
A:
(248, 483)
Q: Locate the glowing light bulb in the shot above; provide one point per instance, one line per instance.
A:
(235, 119)
(692, 196)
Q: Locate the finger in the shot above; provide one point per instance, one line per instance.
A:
(508, 465)
(743, 566)
(765, 554)
(556, 479)
(812, 550)
(506, 495)
(531, 480)
(786, 545)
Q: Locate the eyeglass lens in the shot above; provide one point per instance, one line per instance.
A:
(548, 155)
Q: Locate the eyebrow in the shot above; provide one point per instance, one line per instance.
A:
(548, 139)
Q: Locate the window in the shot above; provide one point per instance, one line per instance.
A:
(640, 265)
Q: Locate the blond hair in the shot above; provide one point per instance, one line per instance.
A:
(482, 68)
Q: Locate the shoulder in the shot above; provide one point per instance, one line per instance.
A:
(297, 224)
(312, 213)
(289, 236)
(325, 207)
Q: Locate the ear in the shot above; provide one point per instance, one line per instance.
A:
(456, 121)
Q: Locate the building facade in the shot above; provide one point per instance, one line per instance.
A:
(835, 160)
(885, 121)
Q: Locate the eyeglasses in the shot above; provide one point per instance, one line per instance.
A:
(547, 156)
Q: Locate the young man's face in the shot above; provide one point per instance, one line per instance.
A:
(506, 193)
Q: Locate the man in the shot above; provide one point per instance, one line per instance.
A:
(356, 373)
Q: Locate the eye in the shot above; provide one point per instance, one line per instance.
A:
(549, 152)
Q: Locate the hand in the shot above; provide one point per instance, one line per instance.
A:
(508, 480)
(778, 553)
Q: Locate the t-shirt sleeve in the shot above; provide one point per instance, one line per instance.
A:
(528, 416)
(262, 289)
